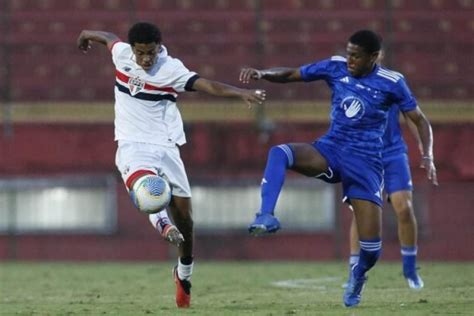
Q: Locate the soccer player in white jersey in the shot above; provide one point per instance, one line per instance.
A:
(149, 127)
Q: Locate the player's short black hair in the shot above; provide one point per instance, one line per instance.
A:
(144, 33)
(370, 41)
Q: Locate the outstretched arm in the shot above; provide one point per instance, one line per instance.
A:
(425, 133)
(86, 37)
(225, 90)
(278, 74)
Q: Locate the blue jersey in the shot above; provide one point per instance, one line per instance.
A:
(360, 105)
(393, 143)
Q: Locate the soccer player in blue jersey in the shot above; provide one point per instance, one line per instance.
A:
(398, 186)
(350, 152)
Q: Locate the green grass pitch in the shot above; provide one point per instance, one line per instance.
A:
(229, 288)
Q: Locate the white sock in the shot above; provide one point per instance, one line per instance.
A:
(159, 220)
(353, 260)
(185, 271)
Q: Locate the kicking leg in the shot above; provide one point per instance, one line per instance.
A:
(302, 158)
(160, 220)
(165, 227)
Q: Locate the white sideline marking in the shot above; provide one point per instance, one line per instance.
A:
(313, 284)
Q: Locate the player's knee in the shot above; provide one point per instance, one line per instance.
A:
(404, 210)
(150, 193)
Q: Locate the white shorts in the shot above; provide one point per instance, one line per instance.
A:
(132, 156)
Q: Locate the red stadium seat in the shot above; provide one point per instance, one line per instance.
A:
(54, 6)
(224, 5)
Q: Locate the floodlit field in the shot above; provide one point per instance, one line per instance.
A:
(243, 288)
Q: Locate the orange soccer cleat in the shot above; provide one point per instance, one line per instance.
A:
(183, 290)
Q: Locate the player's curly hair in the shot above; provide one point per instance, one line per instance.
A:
(370, 41)
(144, 33)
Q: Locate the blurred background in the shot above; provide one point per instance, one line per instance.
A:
(61, 197)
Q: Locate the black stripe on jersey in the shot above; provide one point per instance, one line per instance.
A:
(146, 96)
(190, 83)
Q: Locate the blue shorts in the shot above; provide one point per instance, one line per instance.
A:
(397, 176)
(361, 176)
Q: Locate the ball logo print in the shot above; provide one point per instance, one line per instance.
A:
(151, 194)
(353, 108)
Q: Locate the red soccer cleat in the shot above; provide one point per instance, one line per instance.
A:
(183, 290)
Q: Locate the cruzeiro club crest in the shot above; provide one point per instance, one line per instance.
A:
(135, 85)
(353, 107)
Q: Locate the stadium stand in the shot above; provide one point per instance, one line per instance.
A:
(231, 32)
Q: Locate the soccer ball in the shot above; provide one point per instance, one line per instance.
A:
(151, 194)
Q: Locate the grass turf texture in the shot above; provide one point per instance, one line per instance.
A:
(233, 288)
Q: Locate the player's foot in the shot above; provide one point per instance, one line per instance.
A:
(264, 224)
(352, 295)
(414, 280)
(183, 290)
(171, 234)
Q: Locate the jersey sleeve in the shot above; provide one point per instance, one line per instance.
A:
(118, 49)
(316, 71)
(181, 78)
(322, 70)
(403, 96)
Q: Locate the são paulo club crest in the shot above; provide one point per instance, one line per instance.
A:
(135, 85)
(353, 107)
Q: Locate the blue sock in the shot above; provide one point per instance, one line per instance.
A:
(280, 158)
(409, 259)
(369, 254)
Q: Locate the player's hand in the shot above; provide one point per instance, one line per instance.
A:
(249, 73)
(253, 96)
(427, 163)
(83, 43)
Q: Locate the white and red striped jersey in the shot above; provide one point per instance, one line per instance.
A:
(145, 101)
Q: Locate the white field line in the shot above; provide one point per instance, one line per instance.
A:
(313, 284)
